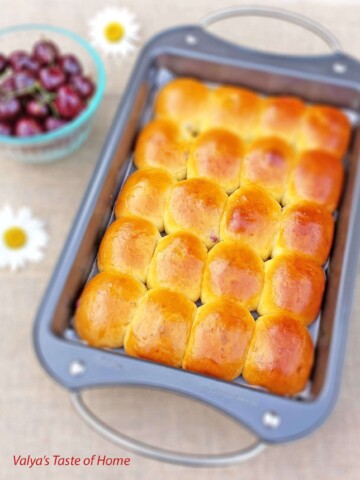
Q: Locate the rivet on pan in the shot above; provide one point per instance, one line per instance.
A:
(339, 67)
(271, 420)
(191, 40)
(77, 368)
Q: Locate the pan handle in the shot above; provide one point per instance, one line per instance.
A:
(160, 454)
(278, 13)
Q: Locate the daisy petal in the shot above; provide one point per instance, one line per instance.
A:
(19, 247)
(128, 31)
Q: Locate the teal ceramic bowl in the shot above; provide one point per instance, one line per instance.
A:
(66, 140)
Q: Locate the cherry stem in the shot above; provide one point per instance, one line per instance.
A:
(46, 97)
(53, 109)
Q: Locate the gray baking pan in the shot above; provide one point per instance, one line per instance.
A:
(192, 51)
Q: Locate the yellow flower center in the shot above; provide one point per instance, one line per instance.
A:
(114, 32)
(15, 237)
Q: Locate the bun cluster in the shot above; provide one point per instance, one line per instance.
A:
(228, 218)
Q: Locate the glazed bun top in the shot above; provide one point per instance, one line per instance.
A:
(144, 195)
(160, 145)
(251, 215)
(306, 228)
(219, 339)
(161, 327)
(235, 109)
(324, 128)
(217, 154)
(178, 264)
(184, 100)
(106, 307)
(280, 117)
(127, 247)
(196, 205)
(268, 163)
(294, 285)
(235, 271)
(280, 356)
(317, 177)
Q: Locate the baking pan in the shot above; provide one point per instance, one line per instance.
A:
(192, 51)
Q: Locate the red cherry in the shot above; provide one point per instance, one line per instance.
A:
(84, 86)
(23, 80)
(8, 85)
(9, 108)
(21, 60)
(3, 63)
(27, 127)
(5, 129)
(53, 123)
(70, 64)
(68, 103)
(37, 109)
(32, 65)
(46, 52)
(51, 78)
(18, 58)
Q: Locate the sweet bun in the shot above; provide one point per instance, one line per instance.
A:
(318, 177)
(178, 264)
(233, 270)
(219, 339)
(294, 285)
(106, 307)
(268, 163)
(233, 108)
(217, 154)
(305, 228)
(127, 247)
(183, 100)
(196, 205)
(324, 128)
(280, 356)
(280, 117)
(160, 145)
(160, 328)
(144, 195)
(251, 215)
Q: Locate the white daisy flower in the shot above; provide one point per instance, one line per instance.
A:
(115, 31)
(22, 238)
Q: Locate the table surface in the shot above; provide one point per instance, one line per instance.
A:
(36, 415)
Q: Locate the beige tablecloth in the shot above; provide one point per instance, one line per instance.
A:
(36, 415)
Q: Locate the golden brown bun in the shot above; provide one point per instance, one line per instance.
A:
(219, 339)
(280, 356)
(127, 247)
(144, 195)
(183, 100)
(305, 228)
(217, 154)
(280, 117)
(317, 177)
(161, 327)
(324, 128)
(294, 285)
(106, 306)
(178, 264)
(268, 163)
(160, 145)
(251, 215)
(235, 271)
(233, 108)
(196, 205)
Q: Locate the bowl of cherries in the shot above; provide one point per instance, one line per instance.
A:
(51, 83)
